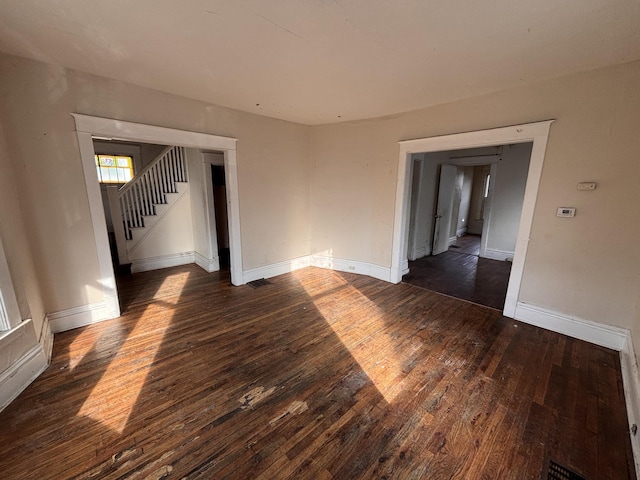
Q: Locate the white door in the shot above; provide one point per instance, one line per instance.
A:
(446, 189)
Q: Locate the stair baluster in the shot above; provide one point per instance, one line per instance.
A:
(138, 198)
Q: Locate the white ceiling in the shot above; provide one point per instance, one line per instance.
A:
(322, 61)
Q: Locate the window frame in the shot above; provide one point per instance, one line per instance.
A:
(116, 167)
(10, 316)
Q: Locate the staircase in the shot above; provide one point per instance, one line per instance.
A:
(140, 204)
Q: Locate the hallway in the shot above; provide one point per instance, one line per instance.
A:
(460, 273)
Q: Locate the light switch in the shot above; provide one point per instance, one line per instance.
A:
(566, 212)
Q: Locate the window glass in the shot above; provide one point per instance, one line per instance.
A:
(114, 169)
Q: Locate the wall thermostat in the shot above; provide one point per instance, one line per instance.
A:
(566, 212)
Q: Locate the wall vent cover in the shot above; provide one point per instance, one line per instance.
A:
(558, 472)
(261, 282)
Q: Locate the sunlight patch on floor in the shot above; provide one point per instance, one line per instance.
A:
(82, 345)
(172, 287)
(114, 397)
(368, 342)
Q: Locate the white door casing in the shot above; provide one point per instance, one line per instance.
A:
(87, 126)
(537, 133)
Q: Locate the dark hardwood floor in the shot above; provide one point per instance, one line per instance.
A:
(467, 244)
(319, 375)
(462, 274)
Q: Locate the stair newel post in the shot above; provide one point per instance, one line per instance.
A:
(117, 220)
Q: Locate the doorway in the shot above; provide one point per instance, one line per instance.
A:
(218, 182)
(86, 128)
(536, 133)
(117, 163)
(470, 201)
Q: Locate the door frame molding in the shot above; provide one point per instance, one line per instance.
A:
(537, 133)
(88, 126)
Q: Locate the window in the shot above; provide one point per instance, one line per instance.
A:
(114, 168)
(10, 315)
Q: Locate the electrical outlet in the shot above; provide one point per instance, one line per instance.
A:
(587, 186)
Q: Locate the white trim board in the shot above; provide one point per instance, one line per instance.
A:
(320, 261)
(276, 269)
(496, 254)
(163, 261)
(593, 332)
(352, 266)
(139, 132)
(81, 316)
(631, 384)
(207, 264)
(21, 373)
(537, 133)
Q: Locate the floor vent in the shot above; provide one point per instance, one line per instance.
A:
(558, 472)
(261, 282)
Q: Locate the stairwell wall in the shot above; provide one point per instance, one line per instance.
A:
(170, 241)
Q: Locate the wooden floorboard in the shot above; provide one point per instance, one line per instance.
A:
(319, 375)
(462, 275)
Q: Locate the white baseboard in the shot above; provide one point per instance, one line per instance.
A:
(631, 382)
(46, 339)
(352, 266)
(321, 261)
(164, 261)
(78, 316)
(21, 373)
(396, 273)
(418, 252)
(275, 269)
(495, 254)
(598, 333)
(452, 240)
(462, 231)
(207, 264)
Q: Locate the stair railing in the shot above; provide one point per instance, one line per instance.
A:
(138, 197)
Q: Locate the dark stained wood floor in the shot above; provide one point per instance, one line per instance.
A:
(460, 273)
(319, 375)
(467, 244)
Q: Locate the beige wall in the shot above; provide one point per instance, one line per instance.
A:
(16, 244)
(35, 105)
(588, 266)
(173, 234)
(332, 188)
(507, 197)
